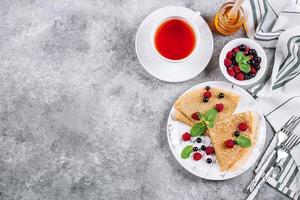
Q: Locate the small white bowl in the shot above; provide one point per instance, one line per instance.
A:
(253, 45)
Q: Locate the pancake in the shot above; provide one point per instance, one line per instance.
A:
(192, 102)
(230, 159)
(182, 118)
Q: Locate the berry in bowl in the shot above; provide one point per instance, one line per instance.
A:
(243, 61)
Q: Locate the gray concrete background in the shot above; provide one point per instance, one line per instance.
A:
(80, 118)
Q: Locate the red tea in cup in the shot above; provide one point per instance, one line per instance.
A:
(175, 39)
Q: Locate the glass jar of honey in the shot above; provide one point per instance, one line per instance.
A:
(227, 24)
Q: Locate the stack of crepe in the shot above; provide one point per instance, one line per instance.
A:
(225, 125)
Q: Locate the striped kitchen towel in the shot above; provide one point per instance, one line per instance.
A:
(276, 23)
(288, 181)
(267, 19)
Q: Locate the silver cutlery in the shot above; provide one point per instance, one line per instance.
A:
(281, 136)
(282, 153)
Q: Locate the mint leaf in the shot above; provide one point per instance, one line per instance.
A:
(239, 57)
(243, 141)
(209, 124)
(186, 151)
(245, 59)
(200, 115)
(198, 129)
(210, 117)
(245, 67)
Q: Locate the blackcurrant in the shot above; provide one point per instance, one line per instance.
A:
(236, 133)
(257, 59)
(205, 99)
(254, 63)
(221, 95)
(198, 140)
(195, 148)
(203, 147)
(242, 47)
(247, 76)
(234, 62)
(252, 52)
(257, 67)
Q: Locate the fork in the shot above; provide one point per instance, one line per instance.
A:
(282, 153)
(281, 135)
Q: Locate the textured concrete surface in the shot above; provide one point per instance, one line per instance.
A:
(79, 116)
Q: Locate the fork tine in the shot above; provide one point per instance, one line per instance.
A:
(294, 143)
(291, 128)
(293, 140)
(291, 125)
(286, 123)
(289, 140)
(298, 141)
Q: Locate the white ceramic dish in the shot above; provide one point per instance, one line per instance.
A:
(253, 45)
(163, 68)
(200, 168)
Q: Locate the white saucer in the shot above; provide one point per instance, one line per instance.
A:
(173, 71)
(175, 129)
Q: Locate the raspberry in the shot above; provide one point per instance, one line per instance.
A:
(186, 136)
(240, 76)
(195, 116)
(227, 62)
(197, 156)
(236, 69)
(250, 57)
(253, 70)
(243, 126)
(229, 55)
(209, 150)
(235, 50)
(207, 94)
(230, 71)
(247, 48)
(219, 107)
(229, 143)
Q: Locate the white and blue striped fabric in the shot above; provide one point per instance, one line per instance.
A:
(267, 19)
(276, 24)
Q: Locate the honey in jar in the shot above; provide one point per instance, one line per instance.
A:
(226, 23)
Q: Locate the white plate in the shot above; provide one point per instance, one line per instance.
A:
(173, 71)
(200, 168)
